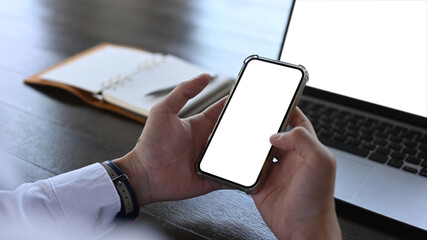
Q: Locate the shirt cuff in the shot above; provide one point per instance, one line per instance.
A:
(88, 200)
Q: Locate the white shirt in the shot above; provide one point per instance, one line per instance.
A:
(81, 204)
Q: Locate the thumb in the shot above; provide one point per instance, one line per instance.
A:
(301, 141)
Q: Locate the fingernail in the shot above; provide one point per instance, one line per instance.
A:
(201, 75)
(198, 76)
(275, 136)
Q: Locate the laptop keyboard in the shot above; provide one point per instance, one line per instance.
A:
(367, 137)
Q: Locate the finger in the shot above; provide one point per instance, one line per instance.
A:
(301, 141)
(174, 102)
(299, 119)
(212, 112)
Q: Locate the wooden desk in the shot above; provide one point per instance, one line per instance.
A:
(48, 131)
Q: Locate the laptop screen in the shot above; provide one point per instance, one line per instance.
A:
(371, 50)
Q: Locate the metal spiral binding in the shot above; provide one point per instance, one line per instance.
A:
(121, 78)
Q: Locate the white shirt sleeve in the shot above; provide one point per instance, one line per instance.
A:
(80, 204)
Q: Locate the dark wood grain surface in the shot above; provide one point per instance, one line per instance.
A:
(46, 131)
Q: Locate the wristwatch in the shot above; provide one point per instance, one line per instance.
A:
(129, 205)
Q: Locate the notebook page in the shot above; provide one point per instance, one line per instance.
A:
(92, 70)
(133, 94)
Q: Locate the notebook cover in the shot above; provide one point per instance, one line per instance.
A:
(84, 95)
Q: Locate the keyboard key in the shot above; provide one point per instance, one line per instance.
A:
(340, 123)
(395, 139)
(353, 127)
(353, 121)
(398, 155)
(353, 134)
(343, 114)
(413, 160)
(358, 116)
(423, 147)
(338, 129)
(411, 134)
(395, 146)
(422, 139)
(316, 106)
(381, 135)
(329, 111)
(423, 172)
(380, 142)
(326, 118)
(382, 126)
(368, 146)
(383, 150)
(367, 138)
(395, 131)
(423, 155)
(410, 151)
(424, 164)
(397, 163)
(370, 122)
(303, 103)
(410, 144)
(339, 138)
(378, 157)
(326, 134)
(410, 169)
(320, 126)
(367, 131)
(354, 142)
(342, 146)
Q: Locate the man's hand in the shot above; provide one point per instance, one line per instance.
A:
(296, 200)
(161, 167)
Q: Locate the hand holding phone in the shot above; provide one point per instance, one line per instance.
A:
(238, 152)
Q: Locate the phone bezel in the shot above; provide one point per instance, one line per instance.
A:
(282, 127)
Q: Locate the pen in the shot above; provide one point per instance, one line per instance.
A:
(160, 92)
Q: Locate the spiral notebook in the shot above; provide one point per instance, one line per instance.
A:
(129, 80)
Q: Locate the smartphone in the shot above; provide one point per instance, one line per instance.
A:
(238, 152)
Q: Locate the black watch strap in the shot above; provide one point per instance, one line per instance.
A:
(129, 205)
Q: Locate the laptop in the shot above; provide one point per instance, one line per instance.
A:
(367, 97)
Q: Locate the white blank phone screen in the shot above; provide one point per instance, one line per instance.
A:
(255, 111)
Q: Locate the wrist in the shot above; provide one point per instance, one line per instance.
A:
(325, 227)
(137, 176)
(129, 206)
